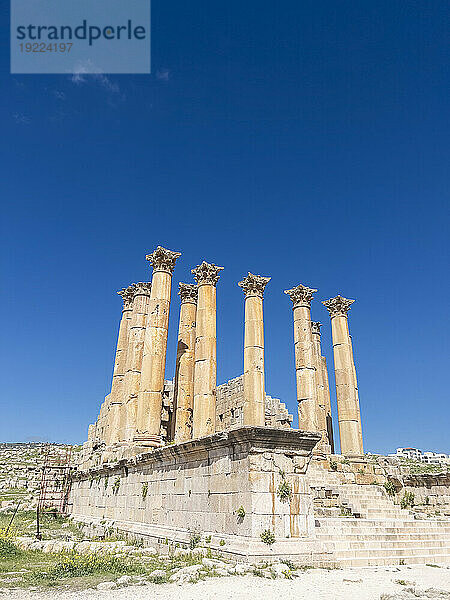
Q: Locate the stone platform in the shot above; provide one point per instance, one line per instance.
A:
(224, 488)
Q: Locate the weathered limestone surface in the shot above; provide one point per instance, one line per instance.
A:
(206, 275)
(254, 386)
(120, 367)
(349, 416)
(230, 403)
(323, 392)
(155, 348)
(185, 363)
(305, 364)
(198, 486)
(128, 412)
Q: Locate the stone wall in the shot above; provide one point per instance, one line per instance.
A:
(230, 402)
(203, 486)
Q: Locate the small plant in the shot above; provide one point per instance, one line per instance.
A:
(345, 511)
(345, 461)
(361, 471)
(240, 513)
(333, 465)
(7, 547)
(267, 537)
(401, 582)
(106, 481)
(208, 539)
(290, 565)
(401, 561)
(116, 485)
(390, 488)
(194, 540)
(284, 491)
(407, 500)
(427, 500)
(144, 490)
(434, 566)
(222, 543)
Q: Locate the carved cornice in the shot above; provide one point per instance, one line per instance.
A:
(127, 296)
(143, 288)
(163, 260)
(301, 295)
(188, 292)
(315, 326)
(338, 306)
(253, 285)
(206, 273)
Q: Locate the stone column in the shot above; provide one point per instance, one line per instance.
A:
(305, 367)
(254, 388)
(128, 410)
(120, 366)
(323, 392)
(155, 348)
(206, 275)
(349, 416)
(185, 363)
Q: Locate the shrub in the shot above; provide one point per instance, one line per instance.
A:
(194, 540)
(333, 465)
(106, 481)
(390, 488)
(240, 512)
(284, 491)
(144, 490)
(222, 543)
(8, 549)
(208, 539)
(407, 500)
(267, 537)
(116, 485)
(427, 500)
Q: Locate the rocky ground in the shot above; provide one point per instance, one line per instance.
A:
(400, 583)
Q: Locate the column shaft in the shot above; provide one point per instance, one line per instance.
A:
(349, 417)
(128, 411)
(254, 384)
(120, 366)
(185, 364)
(323, 396)
(155, 348)
(204, 417)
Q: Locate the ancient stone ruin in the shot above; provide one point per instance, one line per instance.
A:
(170, 461)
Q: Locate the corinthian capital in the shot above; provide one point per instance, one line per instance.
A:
(338, 307)
(188, 292)
(301, 295)
(253, 285)
(143, 288)
(315, 326)
(206, 273)
(127, 295)
(163, 260)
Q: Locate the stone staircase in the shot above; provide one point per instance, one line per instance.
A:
(361, 526)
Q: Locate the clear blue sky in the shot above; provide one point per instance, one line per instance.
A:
(307, 141)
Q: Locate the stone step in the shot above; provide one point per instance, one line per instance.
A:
(375, 545)
(383, 537)
(400, 552)
(363, 531)
(393, 560)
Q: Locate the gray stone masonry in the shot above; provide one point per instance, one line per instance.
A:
(229, 406)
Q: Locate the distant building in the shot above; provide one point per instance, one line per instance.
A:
(435, 457)
(412, 453)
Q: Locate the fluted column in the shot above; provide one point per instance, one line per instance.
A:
(349, 416)
(305, 367)
(185, 363)
(323, 392)
(120, 366)
(155, 348)
(135, 350)
(254, 386)
(206, 275)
